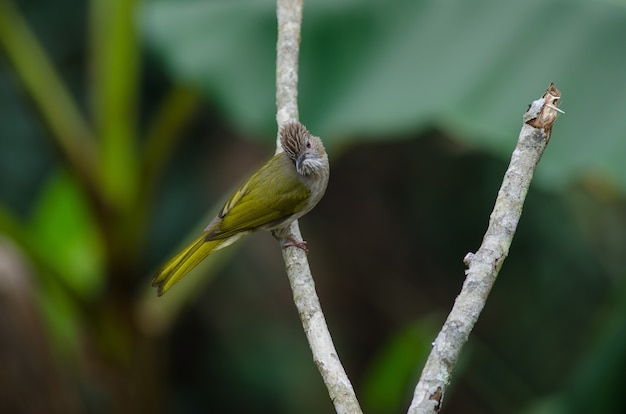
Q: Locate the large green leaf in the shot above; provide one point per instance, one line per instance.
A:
(370, 68)
(227, 48)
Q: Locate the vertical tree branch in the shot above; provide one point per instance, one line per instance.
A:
(289, 13)
(484, 265)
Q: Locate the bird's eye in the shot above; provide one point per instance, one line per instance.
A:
(308, 144)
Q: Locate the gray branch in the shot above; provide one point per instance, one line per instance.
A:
(484, 265)
(289, 13)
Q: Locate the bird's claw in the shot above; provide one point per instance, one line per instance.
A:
(295, 243)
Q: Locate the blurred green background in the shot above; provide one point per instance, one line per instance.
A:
(123, 124)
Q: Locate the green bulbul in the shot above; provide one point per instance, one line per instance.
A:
(284, 189)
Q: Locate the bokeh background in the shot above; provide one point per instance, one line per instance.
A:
(125, 123)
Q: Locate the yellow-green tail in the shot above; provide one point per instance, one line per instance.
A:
(179, 265)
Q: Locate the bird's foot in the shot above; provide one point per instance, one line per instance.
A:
(294, 243)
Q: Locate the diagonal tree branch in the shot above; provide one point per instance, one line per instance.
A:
(289, 13)
(484, 265)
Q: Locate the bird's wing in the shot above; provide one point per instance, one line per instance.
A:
(269, 198)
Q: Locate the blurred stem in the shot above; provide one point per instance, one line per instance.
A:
(69, 130)
(115, 54)
(164, 132)
(115, 73)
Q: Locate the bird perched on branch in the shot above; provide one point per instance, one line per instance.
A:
(284, 189)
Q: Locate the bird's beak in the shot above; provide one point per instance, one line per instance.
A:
(299, 162)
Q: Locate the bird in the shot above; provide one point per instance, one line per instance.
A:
(284, 189)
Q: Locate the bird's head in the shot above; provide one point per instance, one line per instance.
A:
(305, 150)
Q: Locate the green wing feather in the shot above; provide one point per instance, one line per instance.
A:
(269, 198)
(179, 265)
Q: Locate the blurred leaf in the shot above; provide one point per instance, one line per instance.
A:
(64, 232)
(370, 67)
(228, 48)
(596, 384)
(395, 370)
(58, 308)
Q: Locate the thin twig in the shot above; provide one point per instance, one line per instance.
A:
(484, 265)
(289, 13)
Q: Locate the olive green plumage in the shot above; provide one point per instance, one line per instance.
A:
(285, 188)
